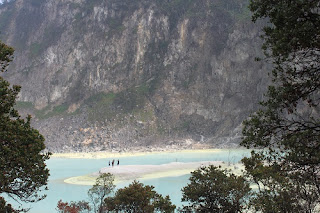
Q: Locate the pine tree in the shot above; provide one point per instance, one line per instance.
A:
(23, 172)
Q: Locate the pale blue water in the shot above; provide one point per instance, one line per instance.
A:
(62, 168)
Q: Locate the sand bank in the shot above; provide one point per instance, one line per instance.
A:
(140, 172)
(99, 155)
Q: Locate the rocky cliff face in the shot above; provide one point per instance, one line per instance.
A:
(123, 74)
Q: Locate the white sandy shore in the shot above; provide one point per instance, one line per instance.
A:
(138, 172)
(99, 155)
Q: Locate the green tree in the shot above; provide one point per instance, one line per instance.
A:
(212, 189)
(138, 198)
(23, 171)
(103, 186)
(287, 126)
(6, 56)
(97, 193)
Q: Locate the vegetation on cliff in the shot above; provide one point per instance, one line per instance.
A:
(134, 72)
(286, 165)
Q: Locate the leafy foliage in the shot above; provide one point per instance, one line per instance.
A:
(23, 171)
(102, 187)
(134, 198)
(294, 25)
(214, 190)
(138, 198)
(5, 208)
(73, 207)
(287, 125)
(6, 56)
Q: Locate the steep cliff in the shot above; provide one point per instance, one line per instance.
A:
(124, 74)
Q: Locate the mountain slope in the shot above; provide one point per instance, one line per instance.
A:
(123, 74)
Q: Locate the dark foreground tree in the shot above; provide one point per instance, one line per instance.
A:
(23, 172)
(138, 198)
(4, 207)
(6, 55)
(287, 126)
(212, 189)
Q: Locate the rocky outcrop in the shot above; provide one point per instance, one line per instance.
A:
(119, 74)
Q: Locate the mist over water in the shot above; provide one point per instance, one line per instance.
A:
(63, 168)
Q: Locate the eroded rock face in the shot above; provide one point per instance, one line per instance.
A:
(122, 74)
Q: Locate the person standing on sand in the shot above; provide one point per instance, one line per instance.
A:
(112, 163)
(118, 162)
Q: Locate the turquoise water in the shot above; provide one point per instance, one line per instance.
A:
(62, 168)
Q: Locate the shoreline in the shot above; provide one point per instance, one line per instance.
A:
(101, 155)
(144, 172)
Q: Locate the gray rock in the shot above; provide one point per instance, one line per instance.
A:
(120, 74)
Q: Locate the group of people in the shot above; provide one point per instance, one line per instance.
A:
(112, 163)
